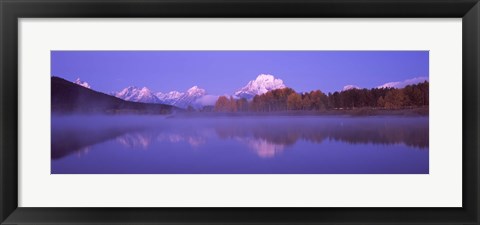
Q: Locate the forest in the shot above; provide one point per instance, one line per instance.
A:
(286, 99)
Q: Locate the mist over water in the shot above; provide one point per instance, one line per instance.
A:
(239, 145)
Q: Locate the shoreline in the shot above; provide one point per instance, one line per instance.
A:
(360, 112)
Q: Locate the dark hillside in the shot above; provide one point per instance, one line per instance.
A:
(67, 97)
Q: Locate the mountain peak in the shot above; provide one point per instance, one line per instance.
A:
(82, 83)
(135, 94)
(145, 89)
(265, 77)
(261, 85)
(195, 90)
(131, 88)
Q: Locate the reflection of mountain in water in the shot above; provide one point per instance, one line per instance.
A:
(144, 139)
(265, 136)
(194, 140)
(67, 141)
(136, 139)
(270, 137)
(262, 147)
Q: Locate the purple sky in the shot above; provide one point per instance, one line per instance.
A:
(224, 72)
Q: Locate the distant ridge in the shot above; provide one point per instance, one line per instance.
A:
(175, 98)
(135, 94)
(68, 97)
(182, 99)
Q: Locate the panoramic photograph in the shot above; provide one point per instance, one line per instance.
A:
(239, 112)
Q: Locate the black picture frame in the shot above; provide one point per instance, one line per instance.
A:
(12, 10)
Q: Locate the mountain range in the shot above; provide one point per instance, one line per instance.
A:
(175, 98)
(135, 94)
(196, 96)
(182, 99)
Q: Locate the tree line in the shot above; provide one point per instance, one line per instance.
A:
(286, 99)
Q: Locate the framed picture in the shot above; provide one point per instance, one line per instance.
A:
(254, 112)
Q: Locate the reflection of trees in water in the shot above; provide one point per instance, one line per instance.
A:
(411, 132)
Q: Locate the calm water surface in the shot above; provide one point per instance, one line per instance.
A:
(239, 145)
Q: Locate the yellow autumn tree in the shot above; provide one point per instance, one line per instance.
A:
(222, 104)
(294, 101)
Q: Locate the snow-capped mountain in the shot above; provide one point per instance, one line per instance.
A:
(82, 83)
(135, 94)
(196, 96)
(349, 87)
(182, 99)
(261, 85)
(191, 97)
(169, 98)
(402, 84)
(175, 98)
(196, 91)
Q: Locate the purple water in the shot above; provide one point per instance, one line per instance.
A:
(239, 145)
